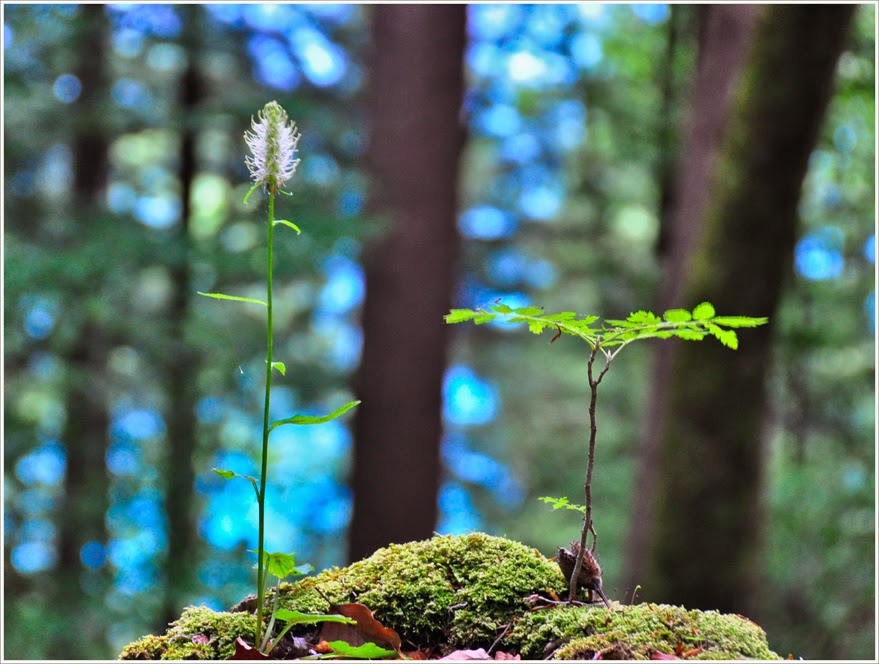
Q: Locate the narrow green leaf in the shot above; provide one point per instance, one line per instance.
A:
(677, 316)
(366, 651)
(225, 474)
(297, 618)
(740, 321)
(460, 315)
(221, 296)
(309, 419)
(280, 366)
(287, 223)
(252, 189)
(703, 311)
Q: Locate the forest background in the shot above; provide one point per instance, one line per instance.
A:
(600, 158)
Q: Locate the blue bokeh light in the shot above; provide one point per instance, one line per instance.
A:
(651, 13)
(870, 309)
(468, 399)
(93, 555)
(33, 557)
(323, 62)
(45, 465)
(272, 63)
(870, 248)
(345, 287)
(270, 16)
(39, 318)
(131, 94)
(493, 21)
(499, 120)
(458, 515)
(818, 256)
(487, 222)
(135, 424)
(67, 88)
(157, 211)
(128, 42)
(209, 410)
(8, 36)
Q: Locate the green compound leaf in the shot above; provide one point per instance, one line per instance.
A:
(677, 316)
(740, 321)
(281, 367)
(727, 337)
(460, 315)
(221, 296)
(643, 318)
(297, 618)
(343, 650)
(703, 311)
(287, 223)
(690, 334)
(252, 189)
(525, 311)
(309, 419)
(562, 503)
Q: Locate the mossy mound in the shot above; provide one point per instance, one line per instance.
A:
(462, 592)
(636, 632)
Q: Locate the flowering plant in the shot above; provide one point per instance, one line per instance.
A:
(273, 146)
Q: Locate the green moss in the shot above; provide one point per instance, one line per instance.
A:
(580, 632)
(455, 590)
(219, 628)
(462, 592)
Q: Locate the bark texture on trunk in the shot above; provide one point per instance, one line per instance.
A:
(415, 144)
(705, 548)
(723, 36)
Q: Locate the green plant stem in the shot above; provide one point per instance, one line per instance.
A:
(588, 526)
(260, 570)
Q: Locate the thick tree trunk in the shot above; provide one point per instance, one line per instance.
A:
(706, 542)
(723, 37)
(417, 90)
(84, 503)
(182, 362)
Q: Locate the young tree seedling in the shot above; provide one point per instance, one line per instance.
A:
(607, 341)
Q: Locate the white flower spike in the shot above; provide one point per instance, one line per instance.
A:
(273, 145)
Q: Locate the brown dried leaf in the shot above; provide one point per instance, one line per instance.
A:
(245, 651)
(369, 629)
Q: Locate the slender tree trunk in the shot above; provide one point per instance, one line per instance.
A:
(723, 36)
(706, 543)
(85, 435)
(415, 144)
(182, 361)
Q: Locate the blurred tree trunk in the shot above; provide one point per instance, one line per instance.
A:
(723, 36)
(705, 546)
(84, 503)
(415, 143)
(182, 367)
